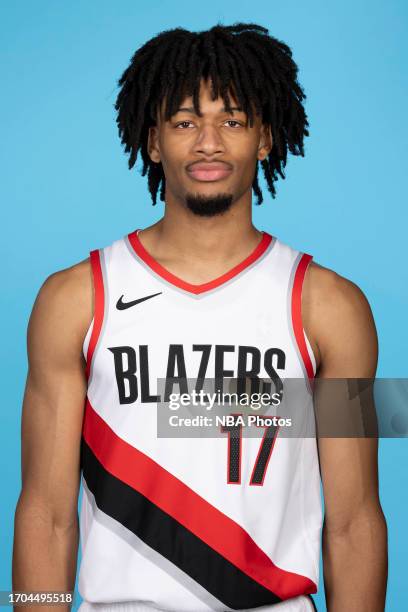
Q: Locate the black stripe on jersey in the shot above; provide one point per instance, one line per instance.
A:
(313, 602)
(168, 537)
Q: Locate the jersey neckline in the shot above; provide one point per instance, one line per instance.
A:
(203, 287)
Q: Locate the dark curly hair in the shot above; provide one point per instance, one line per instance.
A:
(242, 58)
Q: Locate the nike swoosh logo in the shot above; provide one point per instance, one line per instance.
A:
(121, 305)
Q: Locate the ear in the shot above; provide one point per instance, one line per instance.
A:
(153, 147)
(265, 142)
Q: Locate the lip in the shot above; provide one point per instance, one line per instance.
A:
(209, 171)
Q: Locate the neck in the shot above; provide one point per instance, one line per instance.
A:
(182, 234)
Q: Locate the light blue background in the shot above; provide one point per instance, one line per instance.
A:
(65, 186)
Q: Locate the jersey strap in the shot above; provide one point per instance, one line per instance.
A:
(300, 268)
(99, 306)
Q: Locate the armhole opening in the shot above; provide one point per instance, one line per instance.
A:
(94, 331)
(303, 344)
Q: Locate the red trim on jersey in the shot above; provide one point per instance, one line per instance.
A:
(178, 282)
(99, 306)
(174, 497)
(297, 312)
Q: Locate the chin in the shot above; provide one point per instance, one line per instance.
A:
(209, 205)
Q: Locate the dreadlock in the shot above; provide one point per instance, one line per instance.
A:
(243, 59)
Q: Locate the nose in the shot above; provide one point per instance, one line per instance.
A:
(209, 141)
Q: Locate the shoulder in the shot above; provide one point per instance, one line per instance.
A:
(63, 308)
(337, 316)
(325, 286)
(68, 288)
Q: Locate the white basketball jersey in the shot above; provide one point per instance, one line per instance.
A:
(188, 522)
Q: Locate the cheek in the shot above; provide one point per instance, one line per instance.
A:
(174, 154)
(246, 164)
(244, 151)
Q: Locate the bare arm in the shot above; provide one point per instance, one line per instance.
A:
(46, 531)
(354, 531)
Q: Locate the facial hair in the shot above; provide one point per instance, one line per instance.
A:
(208, 206)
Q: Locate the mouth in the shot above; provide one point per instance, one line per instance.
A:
(209, 171)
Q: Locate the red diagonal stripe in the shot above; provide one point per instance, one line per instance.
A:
(217, 530)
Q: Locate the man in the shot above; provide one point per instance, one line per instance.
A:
(187, 523)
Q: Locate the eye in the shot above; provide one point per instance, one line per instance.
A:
(182, 123)
(238, 124)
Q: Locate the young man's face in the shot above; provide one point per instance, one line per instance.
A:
(209, 162)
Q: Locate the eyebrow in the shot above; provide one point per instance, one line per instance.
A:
(190, 109)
